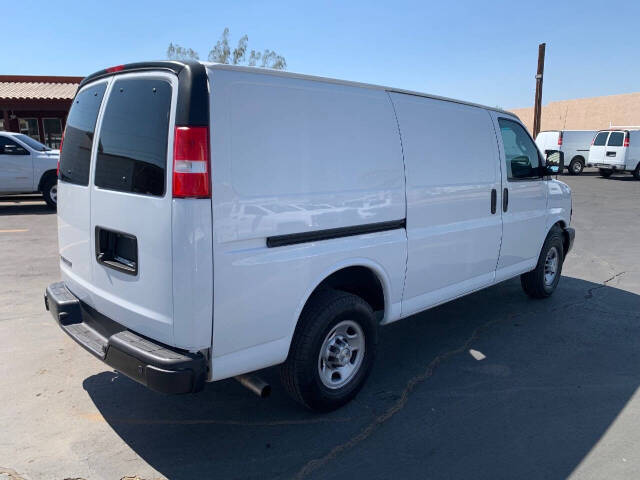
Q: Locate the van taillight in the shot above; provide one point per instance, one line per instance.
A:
(191, 177)
(559, 138)
(59, 155)
(626, 139)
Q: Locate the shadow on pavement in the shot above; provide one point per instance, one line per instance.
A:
(557, 373)
(24, 205)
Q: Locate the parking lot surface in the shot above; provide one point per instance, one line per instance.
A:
(493, 385)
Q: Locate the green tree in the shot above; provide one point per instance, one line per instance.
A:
(176, 52)
(222, 53)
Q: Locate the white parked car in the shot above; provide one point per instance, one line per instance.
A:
(27, 166)
(616, 151)
(573, 143)
(215, 220)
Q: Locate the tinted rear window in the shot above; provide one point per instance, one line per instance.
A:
(616, 139)
(132, 153)
(78, 135)
(601, 139)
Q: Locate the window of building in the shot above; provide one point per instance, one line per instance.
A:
(1, 124)
(52, 132)
(29, 126)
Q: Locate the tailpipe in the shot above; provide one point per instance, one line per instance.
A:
(255, 384)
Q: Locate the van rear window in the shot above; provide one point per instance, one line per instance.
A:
(616, 139)
(132, 153)
(78, 135)
(601, 139)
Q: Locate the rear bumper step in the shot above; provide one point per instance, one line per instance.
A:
(158, 367)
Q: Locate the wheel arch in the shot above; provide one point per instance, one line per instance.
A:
(354, 268)
(44, 176)
(562, 225)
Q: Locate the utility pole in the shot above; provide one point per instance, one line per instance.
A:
(537, 109)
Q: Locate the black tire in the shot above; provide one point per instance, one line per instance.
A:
(300, 374)
(50, 190)
(533, 283)
(605, 173)
(576, 166)
(636, 172)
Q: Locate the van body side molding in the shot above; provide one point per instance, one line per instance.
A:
(304, 237)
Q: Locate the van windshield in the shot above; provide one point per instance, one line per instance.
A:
(36, 145)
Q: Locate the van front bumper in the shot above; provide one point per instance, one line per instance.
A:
(159, 367)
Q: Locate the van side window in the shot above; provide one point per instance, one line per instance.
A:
(132, 148)
(615, 139)
(523, 160)
(78, 135)
(601, 139)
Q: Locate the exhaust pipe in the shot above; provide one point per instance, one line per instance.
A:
(255, 384)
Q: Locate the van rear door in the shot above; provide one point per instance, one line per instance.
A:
(596, 152)
(73, 188)
(131, 205)
(615, 151)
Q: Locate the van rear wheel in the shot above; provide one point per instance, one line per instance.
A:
(332, 351)
(542, 282)
(636, 172)
(576, 166)
(605, 173)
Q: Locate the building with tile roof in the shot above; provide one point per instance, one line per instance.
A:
(36, 105)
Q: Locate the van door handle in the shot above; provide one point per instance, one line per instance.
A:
(494, 200)
(611, 154)
(505, 199)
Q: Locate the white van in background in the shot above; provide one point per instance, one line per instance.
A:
(215, 220)
(573, 143)
(616, 150)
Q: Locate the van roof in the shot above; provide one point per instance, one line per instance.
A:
(177, 66)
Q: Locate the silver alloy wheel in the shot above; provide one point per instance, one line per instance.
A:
(341, 354)
(551, 266)
(577, 167)
(53, 193)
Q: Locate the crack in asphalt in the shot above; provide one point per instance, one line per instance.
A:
(413, 382)
(604, 284)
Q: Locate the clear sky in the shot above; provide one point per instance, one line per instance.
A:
(479, 51)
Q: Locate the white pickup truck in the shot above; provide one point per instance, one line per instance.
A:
(28, 166)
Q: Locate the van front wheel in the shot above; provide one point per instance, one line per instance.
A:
(332, 351)
(542, 282)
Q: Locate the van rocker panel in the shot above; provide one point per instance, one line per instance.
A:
(156, 366)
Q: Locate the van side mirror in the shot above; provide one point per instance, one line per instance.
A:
(554, 162)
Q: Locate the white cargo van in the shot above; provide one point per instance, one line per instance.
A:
(616, 150)
(573, 143)
(215, 220)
